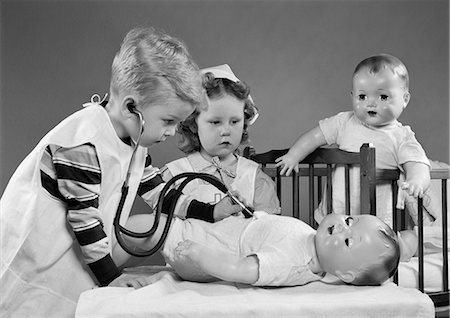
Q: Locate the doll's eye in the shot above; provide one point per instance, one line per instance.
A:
(362, 97)
(349, 221)
(384, 98)
(348, 241)
(330, 229)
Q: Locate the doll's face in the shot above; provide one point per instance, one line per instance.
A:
(378, 99)
(220, 127)
(346, 243)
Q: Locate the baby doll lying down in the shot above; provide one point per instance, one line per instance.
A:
(273, 250)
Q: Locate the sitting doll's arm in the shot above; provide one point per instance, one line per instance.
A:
(408, 241)
(220, 263)
(417, 178)
(305, 144)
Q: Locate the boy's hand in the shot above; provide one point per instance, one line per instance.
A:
(224, 208)
(288, 163)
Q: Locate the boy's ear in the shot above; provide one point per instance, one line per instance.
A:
(128, 105)
(346, 277)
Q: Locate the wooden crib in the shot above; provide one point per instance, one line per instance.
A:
(317, 169)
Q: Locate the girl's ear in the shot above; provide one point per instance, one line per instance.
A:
(346, 277)
(193, 127)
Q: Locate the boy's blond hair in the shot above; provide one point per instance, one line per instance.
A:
(155, 65)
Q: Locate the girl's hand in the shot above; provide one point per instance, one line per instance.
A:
(288, 163)
(224, 208)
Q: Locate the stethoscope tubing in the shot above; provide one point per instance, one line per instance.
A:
(119, 230)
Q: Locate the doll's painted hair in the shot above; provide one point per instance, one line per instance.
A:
(382, 61)
(188, 140)
(386, 265)
(155, 65)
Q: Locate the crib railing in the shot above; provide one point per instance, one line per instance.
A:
(319, 165)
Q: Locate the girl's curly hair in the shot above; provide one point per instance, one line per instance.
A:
(188, 140)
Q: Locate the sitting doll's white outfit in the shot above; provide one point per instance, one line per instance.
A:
(395, 145)
(283, 245)
(246, 177)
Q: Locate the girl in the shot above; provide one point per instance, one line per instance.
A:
(211, 138)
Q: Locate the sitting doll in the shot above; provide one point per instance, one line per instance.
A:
(273, 250)
(380, 93)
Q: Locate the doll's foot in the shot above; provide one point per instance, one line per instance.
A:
(186, 262)
(188, 248)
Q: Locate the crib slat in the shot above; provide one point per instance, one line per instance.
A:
(278, 183)
(329, 189)
(420, 247)
(395, 216)
(295, 195)
(311, 194)
(444, 236)
(347, 189)
(368, 179)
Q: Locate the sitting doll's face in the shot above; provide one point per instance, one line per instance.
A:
(378, 98)
(345, 244)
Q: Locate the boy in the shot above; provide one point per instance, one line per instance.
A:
(273, 250)
(380, 93)
(57, 211)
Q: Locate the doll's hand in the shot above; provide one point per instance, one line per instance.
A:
(132, 280)
(288, 163)
(414, 189)
(224, 208)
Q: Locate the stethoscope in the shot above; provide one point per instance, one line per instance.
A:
(188, 176)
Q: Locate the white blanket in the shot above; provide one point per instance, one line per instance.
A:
(408, 273)
(169, 296)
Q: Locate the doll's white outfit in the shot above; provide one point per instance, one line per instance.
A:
(283, 245)
(395, 144)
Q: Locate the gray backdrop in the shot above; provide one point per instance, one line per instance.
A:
(297, 56)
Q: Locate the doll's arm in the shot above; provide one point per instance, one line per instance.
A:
(306, 144)
(220, 263)
(417, 178)
(408, 244)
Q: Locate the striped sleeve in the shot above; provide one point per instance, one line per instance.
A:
(74, 175)
(151, 186)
